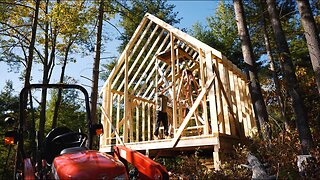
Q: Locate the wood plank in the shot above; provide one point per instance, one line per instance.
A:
(239, 107)
(149, 122)
(230, 94)
(143, 121)
(118, 116)
(204, 100)
(137, 124)
(131, 54)
(126, 101)
(229, 106)
(221, 78)
(151, 64)
(243, 108)
(132, 96)
(145, 61)
(249, 107)
(173, 70)
(110, 115)
(103, 119)
(121, 58)
(133, 65)
(185, 142)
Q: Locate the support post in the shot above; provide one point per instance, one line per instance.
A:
(211, 95)
(126, 100)
(173, 72)
(216, 158)
(204, 100)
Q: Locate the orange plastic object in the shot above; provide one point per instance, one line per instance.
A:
(148, 169)
(28, 171)
(88, 164)
(9, 140)
(99, 132)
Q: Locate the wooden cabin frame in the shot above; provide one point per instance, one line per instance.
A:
(210, 104)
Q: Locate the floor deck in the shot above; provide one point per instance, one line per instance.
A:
(163, 144)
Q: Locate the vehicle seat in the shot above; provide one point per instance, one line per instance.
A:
(51, 149)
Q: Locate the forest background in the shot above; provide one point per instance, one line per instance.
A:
(42, 37)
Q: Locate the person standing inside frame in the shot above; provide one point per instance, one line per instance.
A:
(161, 116)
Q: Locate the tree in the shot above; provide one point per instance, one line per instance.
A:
(254, 86)
(73, 115)
(312, 36)
(96, 64)
(72, 21)
(9, 103)
(9, 107)
(290, 79)
(273, 70)
(32, 43)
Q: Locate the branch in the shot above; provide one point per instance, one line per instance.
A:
(13, 28)
(5, 29)
(115, 28)
(16, 4)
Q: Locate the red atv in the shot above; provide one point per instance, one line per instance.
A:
(66, 154)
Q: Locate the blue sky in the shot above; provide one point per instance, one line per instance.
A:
(190, 11)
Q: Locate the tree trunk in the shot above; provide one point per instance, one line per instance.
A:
(28, 76)
(45, 79)
(254, 86)
(279, 95)
(32, 42)
(312, 35)
(96, 64)
(44, 90)
(290, 79)
(59, 97)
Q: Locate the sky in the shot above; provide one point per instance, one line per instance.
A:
(190, 12)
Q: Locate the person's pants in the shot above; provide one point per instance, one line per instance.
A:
(161, 117)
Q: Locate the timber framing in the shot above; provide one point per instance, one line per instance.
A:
(209, 100)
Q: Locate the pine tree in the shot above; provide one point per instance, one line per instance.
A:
(254, 86)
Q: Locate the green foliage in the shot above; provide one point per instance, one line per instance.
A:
(9, 102)
(9, 107)
(221, 33)
(71, 111)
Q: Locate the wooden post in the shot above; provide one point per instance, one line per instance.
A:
(230, 95)
(216, 159)
(173, 72)
(126, 100)
(219, 103)
(204, 100)
(211, 94)
(143, 121)
(224, 102)
(137, 123)
(111, 121)
(149, 121)
(118, 115)
(107, 107)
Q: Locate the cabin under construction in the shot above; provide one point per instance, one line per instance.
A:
(208, 107)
